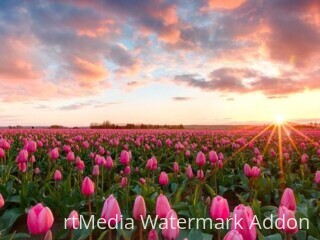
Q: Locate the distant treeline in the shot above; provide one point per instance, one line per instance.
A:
(109, 125)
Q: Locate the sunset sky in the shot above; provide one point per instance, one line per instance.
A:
(74, 62)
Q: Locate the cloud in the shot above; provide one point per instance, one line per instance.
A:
(231, 80)
(181, 98)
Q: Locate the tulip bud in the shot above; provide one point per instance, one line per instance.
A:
(172, 230)
(39, 219)
(139, 208)
(163, 179)
(219, 209)
(87, 187)
(288, 199)
(162, 206)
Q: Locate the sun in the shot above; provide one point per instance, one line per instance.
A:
(279, 119)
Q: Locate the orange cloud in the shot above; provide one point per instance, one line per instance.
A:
(225, 4)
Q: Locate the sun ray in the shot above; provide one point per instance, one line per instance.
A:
(290, 139)
(282, 180)
(269, 139)
(300, 133)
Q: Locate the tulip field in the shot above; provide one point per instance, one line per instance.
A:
(160, 184)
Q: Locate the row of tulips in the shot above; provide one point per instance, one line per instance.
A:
(169, 174)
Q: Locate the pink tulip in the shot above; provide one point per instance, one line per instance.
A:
(39, 220)
(247, 170)
(317, 177)
(2, 153)
(87, 187)
(54, 154)
(288, 199)
(139, 208)
(36, 170)
(233, 235)
(31, 146)
(1, 201)
(111, 211)
(124, 182)
(142, 180)
(73, 220)
(189, 172)
(176, 167)
(152, 164)
(255, 172)
(213, 157)
(200, 174)
(96, 171)
(244, 217)
(57, 175)
(172, 231)
(127, 170)
(200, 159)
(162, 206)
(70, 156)
(187, 154)
(286, 220)
(22, 156)
(22, 167)
(163, 179)
(109, 163)
(304, 158)
(219, 209)
(153, 235)
(124, 157)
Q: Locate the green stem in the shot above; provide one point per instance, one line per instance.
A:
(90, 230)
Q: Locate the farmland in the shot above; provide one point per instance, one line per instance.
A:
(124, 177)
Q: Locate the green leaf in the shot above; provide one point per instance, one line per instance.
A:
(9, 218)
(276, 236)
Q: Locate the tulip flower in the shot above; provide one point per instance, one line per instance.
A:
(127, 170)
(36, 170)
(219, 209)
(162, 206)
(247, 170)
(176, 167)
(187, 154)
(189, 172)
(317, 177)
(286, 220)
(87, 187)
(213, 157)
(22, 156)
(2, 153)
(233, 235)
(70, 156)
(31, 146)
(54, 154)
(152, 164)
(73, 220)
(1, 201)
(200, 174)
(200, 159)
(124, 182)
(111, 211)
(244, 217)
(288, 199)
(39, 219)
(124, 157)
(57, 175)
(96, 171)
(109, 163)
(153, 235)
(255, 172)
(163, 179)
(171, 231)
(139, 208)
